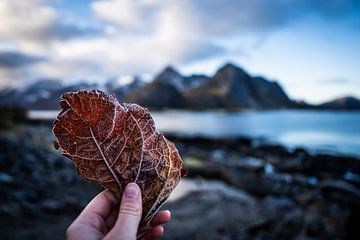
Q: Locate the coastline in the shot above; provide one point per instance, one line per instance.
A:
(329, 132)
(276, 185)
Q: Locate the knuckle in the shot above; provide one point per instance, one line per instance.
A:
(97, 221)
(129, 209)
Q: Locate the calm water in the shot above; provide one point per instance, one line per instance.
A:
(325, 131)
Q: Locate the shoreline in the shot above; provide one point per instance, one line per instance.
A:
(317, 132)
(276, 187)
(50, 114)
(262, 141)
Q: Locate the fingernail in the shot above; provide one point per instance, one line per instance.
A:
(168, 212)
(131, 191)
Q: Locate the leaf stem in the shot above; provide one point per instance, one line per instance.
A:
(105, 160)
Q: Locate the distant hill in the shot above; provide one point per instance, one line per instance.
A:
(157, 95)
(342, 103)
(231, 87)
(166, 91)
(45, 93)
(181, 83)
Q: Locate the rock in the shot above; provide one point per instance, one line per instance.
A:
(214, 214)
(269, 169)
(41, 175)
(279, 202)
(209, 171)
(314, 225)
(305, 181)
(6, 178)
(302, 237)
(51, 205)
(340, 191)
(218, 155)
(325, 166)
(290, 226)
(272, 151)
(10, 209)
(352, 178)
(251, 164)
(275, 193)
(335, 220)
(305, 198)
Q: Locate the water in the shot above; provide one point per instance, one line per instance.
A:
(320, 131)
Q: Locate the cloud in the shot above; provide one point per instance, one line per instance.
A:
(202, 50)
(140, 37)
(25, 19)
(165, 31)
(17, 68)
(187, 31)
(132, 37)
(32, 25)
(17, 59)
(30, 29)
(219, 17)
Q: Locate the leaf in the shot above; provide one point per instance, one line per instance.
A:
(114, 144)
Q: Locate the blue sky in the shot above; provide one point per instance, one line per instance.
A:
(310, 47)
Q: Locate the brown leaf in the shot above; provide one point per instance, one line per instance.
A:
(114, 144)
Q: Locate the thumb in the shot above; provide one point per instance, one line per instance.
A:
(129, 217)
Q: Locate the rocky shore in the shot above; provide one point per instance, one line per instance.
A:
(240, 189)
(289, 194)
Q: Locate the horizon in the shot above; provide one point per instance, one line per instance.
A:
(310, 48)
(124, 80)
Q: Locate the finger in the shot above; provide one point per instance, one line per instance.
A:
(111, 218)
(154, 233)
(161, 218)
(129, 216)
(99, 207)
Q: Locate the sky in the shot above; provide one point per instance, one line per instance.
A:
(311, 47)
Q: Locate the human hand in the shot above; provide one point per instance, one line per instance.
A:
(103, 219)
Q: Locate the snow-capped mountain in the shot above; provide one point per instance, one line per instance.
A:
(230, 88)
(181, 83)
(45, 93)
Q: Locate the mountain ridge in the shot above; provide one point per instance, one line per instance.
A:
(230, 88)
(233, 87)
(346, 102)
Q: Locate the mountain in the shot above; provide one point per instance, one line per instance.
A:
(45, 93)
(121, 90)
(166, 90)
(157, 95)
(232, 87)
(40, 92)
(348, 102)
(181, 83)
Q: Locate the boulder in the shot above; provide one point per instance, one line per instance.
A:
(340, 191)
(214, 211)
